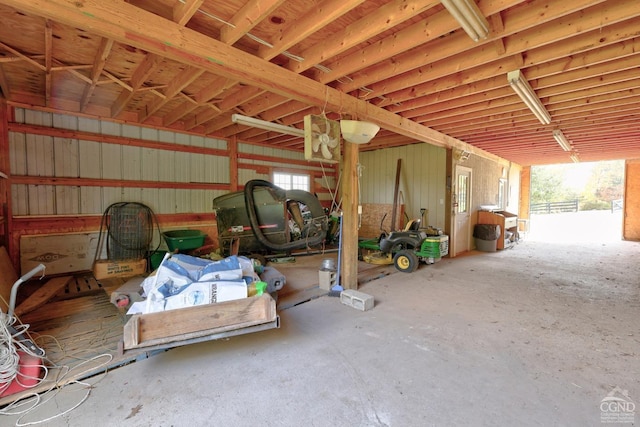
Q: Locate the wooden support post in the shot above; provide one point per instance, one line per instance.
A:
(232, 147)
(5, 184)
(525, 192)
(349, 186)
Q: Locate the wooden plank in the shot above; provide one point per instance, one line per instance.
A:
(188, 323)
(73, 331)
(631, 210)
(42, 295)
(8, 277)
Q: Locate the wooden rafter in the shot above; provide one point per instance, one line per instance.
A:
(317, 18)
(147, 67)
(48, 53)
(24, 57)
(249, 16)
(382, 19)
(174, 87)
(184, 11)
(383, 80)
(98, 67)
(186, 107)
(578, 56)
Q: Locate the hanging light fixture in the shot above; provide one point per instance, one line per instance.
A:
(265, 125)
(469, 16)
(358, 132)
(561, 140)
(524, 90)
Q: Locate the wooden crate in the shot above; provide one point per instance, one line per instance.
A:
(203, 322)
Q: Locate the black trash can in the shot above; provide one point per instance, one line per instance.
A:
(486, 237)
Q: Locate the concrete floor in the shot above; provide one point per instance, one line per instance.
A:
(536, 335)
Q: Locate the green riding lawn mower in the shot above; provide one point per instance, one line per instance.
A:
(406, 248)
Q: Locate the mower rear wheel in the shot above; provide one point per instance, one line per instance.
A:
(406, 261)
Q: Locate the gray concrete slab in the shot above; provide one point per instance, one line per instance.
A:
(537, 335)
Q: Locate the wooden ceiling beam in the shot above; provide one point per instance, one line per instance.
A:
(437, 75)
(497, 27)
(283, 110)
(251, 14)
(312, 21)
(216, 87)
(596, 62)
(415, 35)
(569, 117)
(576, 128)
(581, 107)
(316, 18)
(383, 19)
(131, 25)
(263, 103)
(411, 68)
(489, 98)
(183, 11)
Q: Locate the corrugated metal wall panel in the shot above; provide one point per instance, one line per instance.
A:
(111, 164)
(67, 200)
(65, 122)
(35, 155)
(66, 162)
(182, 166)
(422, 179)
(91, 200)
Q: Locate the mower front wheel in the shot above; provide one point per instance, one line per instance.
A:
(405, 261)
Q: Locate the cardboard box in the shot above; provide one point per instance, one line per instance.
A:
(108, 269)
(60, 253)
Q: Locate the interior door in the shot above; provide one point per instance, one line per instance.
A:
(462, 210)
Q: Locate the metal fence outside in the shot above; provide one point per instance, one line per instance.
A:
(554, 207)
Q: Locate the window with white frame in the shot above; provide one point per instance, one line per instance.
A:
(291, 181)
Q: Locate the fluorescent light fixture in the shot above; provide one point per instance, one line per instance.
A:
(561, 140)
(469, 16)
(263, 124)
(524, 90)
(575, 158)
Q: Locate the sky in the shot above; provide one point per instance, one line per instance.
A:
(577, 175)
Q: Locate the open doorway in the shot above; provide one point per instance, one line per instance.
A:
(577, 202)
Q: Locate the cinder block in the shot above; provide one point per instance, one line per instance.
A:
(327, 279)
(358, 300)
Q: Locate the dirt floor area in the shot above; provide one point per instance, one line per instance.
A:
(542, 334)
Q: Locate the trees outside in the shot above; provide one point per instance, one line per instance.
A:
(595, 185)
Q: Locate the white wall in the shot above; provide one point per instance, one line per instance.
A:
(422, 179)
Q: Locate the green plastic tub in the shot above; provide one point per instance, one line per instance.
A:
(155, 258)
(184, 240)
